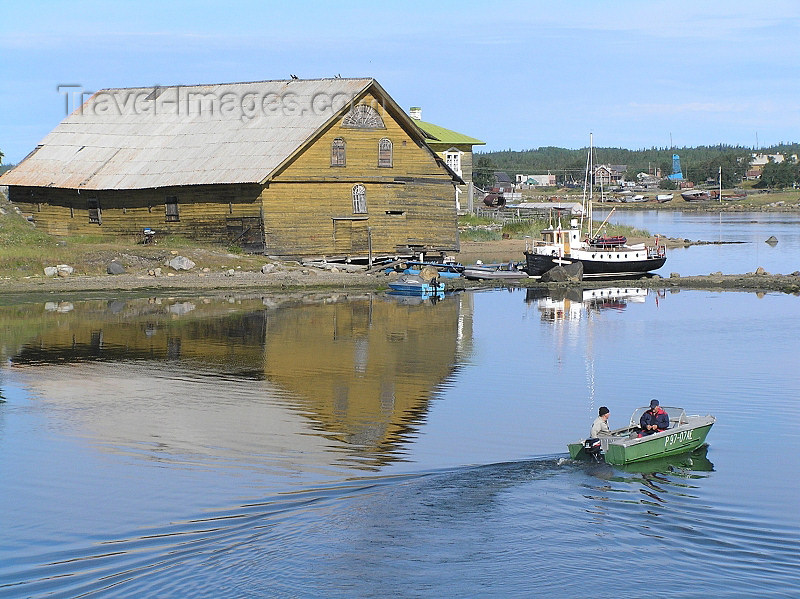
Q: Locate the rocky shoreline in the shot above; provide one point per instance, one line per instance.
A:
(290, 277)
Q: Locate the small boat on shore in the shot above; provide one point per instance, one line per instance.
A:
(728, 197)
(664, 197)
(624, 446)
(505, 271)
(447, 270)
(416, 284)
(695, 195)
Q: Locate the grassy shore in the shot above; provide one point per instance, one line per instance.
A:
(27, 251)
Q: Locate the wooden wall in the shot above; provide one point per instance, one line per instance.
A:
(203, 210)
(308, 207)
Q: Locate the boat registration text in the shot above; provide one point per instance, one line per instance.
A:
(678, 438)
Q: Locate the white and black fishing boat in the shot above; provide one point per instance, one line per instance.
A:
(600, 256)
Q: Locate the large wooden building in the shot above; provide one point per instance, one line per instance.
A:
(297, 168)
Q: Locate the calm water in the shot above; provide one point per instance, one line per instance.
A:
(367, 446)
(749, 229)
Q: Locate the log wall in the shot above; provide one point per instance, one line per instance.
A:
(203, 210)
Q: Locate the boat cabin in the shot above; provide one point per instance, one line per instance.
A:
(564, 237)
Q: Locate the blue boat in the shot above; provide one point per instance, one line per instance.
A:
(414, 267)
(416, 284)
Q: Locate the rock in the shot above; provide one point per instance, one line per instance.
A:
(428, 273)
(115, 268)
(562, 274)
(230, 272)
(268, 268)
(334, 269)
(574, 271)
(772, 240)
(181, 308)
(557, 274)
(760, 271)
(50, 271)
(181, 263)
(674, 275)
(64, 270)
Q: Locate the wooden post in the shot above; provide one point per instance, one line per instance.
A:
(369, 247)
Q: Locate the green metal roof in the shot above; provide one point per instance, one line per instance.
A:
(446, 136)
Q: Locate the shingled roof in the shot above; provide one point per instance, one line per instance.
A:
(137, 138)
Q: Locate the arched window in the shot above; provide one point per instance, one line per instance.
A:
(359, 199)
(338, 156)
(363, 116)
(385, 153)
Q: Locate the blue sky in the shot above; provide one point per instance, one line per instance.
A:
(515, 74)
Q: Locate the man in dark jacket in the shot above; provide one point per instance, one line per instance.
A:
(653, 420)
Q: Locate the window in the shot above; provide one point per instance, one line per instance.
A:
(363, 116)
(359, 199)
(95, 214)
(338, 156)
(171, 205)
(453, 160)
(385, 153)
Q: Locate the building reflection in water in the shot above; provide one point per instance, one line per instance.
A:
(351, 374)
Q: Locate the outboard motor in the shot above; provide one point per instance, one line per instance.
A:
(593, 448)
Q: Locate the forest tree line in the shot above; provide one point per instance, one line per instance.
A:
(698, 164)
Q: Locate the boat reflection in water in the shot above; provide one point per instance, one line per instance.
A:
(328, 379)
(573, 304)
(684, 464)
(652, 484)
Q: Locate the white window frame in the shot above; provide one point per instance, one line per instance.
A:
(452, 158)
(359, 199)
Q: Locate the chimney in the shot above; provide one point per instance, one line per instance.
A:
(415, 112)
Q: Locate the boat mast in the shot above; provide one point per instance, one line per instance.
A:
(587, 183)
(720, 184)
(589, 176)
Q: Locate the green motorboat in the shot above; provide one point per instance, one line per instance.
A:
(624, 446)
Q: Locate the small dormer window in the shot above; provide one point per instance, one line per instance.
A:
(453, 160)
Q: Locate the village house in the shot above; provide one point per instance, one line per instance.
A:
(292, 168)
(455, 148)
(609, 174)
(759, 161)
(527, 181)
